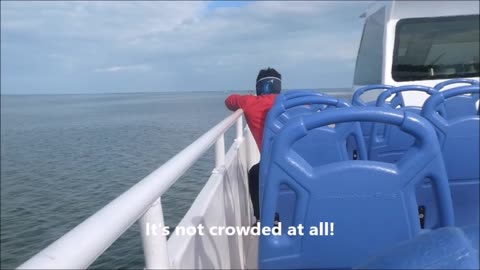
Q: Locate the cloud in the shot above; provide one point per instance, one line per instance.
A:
(141, 68)
(101, 20)
(193, 45)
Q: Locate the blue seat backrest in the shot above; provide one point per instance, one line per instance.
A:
(273, 123)
(388, 143)
(357, 101)
(276, 119)
(459, 105)
(445, 248)
(372, 204)
(281, 113)
(459, 141)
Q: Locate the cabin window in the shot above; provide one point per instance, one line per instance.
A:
(368, 69)
(436, 48)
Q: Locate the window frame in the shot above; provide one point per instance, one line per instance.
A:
(398, 27)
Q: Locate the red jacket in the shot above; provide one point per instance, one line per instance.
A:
(255, 109)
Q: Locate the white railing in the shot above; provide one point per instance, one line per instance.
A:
(80, 247)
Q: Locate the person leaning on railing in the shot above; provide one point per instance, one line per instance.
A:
(255, 109)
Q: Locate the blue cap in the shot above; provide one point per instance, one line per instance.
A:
(269, 81)
(268, 85)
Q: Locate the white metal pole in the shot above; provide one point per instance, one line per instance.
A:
(220, 152)
(239, 128)
(154, 238)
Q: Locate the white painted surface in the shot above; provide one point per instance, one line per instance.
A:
(154, 245)
(421, 9)
(224, 201)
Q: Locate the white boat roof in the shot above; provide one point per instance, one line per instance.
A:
(420, 9)
(397, 10)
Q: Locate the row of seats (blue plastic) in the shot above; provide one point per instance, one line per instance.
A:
(459, 141)
(389, 147)
(308, 175)
(458, 106)
(454, 114)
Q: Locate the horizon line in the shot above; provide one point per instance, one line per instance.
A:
(327, 89)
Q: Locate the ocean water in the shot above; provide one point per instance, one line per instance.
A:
(63, 157)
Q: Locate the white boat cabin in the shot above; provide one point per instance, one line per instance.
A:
(409, 42)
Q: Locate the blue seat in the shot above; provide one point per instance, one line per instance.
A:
(459, 105)
(357, 101)
(372, 204)
(278, 116)
(272, 125)
(445, 248)
(273, 122)
(388, 143)
(459, 142)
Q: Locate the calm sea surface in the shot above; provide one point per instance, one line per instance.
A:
(63, 157)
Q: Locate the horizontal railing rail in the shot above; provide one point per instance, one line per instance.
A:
(81, 246)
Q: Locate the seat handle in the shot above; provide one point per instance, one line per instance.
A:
(357, 101)
(441, 85)
(397, 90)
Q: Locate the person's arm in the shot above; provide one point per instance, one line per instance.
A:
(235, 102)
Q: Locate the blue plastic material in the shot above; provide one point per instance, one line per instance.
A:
(276, 118)
(357, 101)
(388, 143)
(293, 94)
(443, 84)
(459, 105)
(459, 140)
(372, 204)
(472, 232)
(272, 126)
(445, 248)
(397, 99)
(286, 109)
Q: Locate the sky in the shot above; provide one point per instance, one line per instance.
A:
(138, 46)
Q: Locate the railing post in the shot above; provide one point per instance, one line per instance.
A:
(220, 153)
(239, 128)
(153, 238)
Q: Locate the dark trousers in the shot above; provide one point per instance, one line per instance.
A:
(253, 186)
